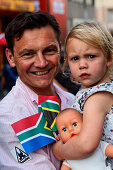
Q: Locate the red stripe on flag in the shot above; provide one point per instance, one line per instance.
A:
(25, 123)
(42, 98)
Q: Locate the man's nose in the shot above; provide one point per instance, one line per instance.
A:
(40, 60)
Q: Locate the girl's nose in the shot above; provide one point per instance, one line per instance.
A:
(83, 64)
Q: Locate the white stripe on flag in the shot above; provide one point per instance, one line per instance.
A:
(19, 133)
(39, 134)
(50, 101)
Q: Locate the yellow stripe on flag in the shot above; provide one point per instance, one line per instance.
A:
(50, 109)
(53, 123)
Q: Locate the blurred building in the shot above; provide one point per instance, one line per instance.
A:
(104, 12)
(79, 11)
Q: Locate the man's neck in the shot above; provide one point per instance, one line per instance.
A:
(50, 91)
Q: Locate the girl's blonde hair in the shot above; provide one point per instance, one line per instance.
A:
(95, 34)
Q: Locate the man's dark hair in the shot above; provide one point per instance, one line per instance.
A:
(29, 20)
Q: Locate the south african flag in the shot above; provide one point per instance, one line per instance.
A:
(36, 131)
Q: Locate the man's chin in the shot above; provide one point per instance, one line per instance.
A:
(43, 89)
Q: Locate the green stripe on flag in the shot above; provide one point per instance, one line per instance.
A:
(49, 105)
(36, 130)
(39, 109)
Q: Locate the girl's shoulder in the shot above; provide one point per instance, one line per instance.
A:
(83, 94)
(108, 86)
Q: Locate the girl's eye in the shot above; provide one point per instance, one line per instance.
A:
(74, 124)
(91, 56)
(74, 58)
(64, 129)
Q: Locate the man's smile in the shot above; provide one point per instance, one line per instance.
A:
(39, 73)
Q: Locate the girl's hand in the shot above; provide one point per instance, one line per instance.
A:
(57, 137)
(56, 148)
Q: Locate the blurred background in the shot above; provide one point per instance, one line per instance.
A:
(67, 12)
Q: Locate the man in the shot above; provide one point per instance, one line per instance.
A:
(33, 46)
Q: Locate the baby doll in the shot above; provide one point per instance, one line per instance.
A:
(69, 124)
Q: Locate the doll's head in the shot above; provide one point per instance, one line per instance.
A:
(94, 34)
(69, 123)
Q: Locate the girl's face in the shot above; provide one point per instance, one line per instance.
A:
(88, 64)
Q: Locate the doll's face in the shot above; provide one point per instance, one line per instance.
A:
(69, 124)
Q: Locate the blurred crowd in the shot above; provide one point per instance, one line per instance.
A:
(8, 78)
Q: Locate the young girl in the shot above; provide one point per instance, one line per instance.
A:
(89, 52)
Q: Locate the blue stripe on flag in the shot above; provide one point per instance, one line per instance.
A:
(37, 143)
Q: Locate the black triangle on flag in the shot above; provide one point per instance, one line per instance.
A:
(49, 116)
(21, 155)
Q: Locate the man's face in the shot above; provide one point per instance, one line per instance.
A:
(36, 57)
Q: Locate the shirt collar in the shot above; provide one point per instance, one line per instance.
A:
(30, 93)
(34, 97)
(63, 93)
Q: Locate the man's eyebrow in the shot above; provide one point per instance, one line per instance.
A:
(25, 50)
(54, 46)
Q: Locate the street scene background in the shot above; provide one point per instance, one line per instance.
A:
(67, 12)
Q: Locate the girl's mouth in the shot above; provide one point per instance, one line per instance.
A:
(84, 75)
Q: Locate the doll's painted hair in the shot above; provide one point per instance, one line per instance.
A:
(95, 34)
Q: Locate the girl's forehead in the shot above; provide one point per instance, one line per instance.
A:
(76, 42)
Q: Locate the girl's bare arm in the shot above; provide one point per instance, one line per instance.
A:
(87, 141)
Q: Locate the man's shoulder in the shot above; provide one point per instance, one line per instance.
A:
(62, 91)
(67, 94)
(11, 101)
(67, 98)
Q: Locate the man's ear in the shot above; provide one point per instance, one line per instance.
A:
(60, 47)
(10, 57)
